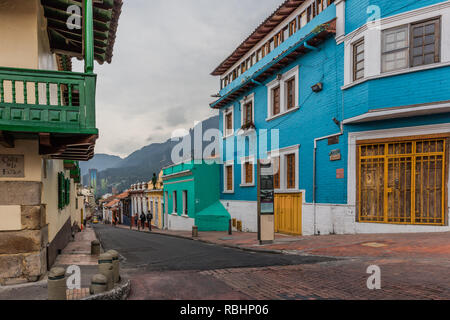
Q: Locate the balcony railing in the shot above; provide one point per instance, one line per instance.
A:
(47, 101)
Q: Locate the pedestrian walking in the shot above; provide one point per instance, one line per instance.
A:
(143, 218)
(136, 218)
(149, 220)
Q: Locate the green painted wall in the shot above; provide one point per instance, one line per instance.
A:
(202, 183)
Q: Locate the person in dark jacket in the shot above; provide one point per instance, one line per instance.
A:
(149, 220)
(143, 218)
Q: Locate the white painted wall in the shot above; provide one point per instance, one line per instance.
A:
(245, 211)
(180, 223)
(340, 219)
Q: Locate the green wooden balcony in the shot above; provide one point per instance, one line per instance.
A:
(41, 101)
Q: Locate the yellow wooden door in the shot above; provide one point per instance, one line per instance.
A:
(288, 213)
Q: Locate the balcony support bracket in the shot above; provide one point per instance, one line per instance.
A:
(6, 140)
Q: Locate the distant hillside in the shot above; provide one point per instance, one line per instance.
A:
(100, 162)
(138, 166)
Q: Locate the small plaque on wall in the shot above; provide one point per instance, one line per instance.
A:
(12, 166)
(340, 174)
(335, 155)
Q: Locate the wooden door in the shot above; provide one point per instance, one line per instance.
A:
(288, 213)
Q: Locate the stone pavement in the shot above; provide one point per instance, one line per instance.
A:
(77, 252)
(413, 266)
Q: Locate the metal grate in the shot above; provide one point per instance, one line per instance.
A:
(402, 182)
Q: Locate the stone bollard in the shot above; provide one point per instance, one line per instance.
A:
(194, 232)
(116, 265)
(57, 284)
(99, 284)
(105, 267)
(95, 248)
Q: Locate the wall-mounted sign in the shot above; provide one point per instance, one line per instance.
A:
(12, 166)
(335, 155)
(340, 174)
(333, 140)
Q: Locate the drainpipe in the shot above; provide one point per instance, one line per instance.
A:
(315, 169)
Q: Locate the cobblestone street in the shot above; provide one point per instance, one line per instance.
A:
(413, 266)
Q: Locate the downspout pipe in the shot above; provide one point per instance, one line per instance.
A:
(315, 169)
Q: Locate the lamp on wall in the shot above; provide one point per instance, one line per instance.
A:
(279, 77)
(317, 87)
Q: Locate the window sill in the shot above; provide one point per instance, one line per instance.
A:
(282, 114)
(247, 185)
(243, 132)
(395, 73)
(174, 214)
(228, 136)
(228, 192)
(185, 216)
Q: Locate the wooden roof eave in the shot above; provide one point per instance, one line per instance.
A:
(323, 32)
(283, 11)
(106, 16)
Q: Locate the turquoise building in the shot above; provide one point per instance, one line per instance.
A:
(350, 100)
(191, 196)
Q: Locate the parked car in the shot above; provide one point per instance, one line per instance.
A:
(95, 220)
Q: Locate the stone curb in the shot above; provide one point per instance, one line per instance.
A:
(120, 292)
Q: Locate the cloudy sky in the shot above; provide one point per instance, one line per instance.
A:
(159, 79)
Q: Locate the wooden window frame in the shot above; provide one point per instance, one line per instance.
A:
(276, 163)
(225, 177)
(246, 163)
(410, 43)
(272, 93)
(282, 154)
(290, 174)
(293, 94)
(437, 44)
(355, 57)
(226, 131)
(250, 99)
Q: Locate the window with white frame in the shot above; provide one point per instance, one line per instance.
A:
(228, 122)
(283, 94)
(411, 45)
(166, 202)
(285, 164)
(174, 203)
(228, 177)
(247, 111)
(358, 60)
(248, 172)
(185, 203)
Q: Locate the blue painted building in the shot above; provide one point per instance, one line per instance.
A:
(351, 102)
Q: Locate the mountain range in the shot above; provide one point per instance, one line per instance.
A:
(119, 173)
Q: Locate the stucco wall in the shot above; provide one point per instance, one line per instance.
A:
(55, 218)
(24, 39)
(19, 39)
(32, 160)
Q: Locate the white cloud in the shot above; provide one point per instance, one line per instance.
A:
(159, 79)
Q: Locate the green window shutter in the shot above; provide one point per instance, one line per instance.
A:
(67, 192)
(60, 191)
